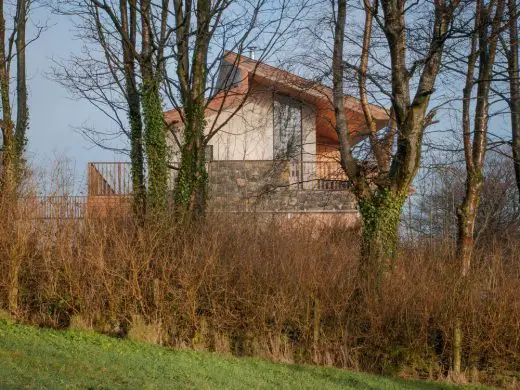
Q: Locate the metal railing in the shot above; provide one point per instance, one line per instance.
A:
(114, 178)
(109, 178)
(318, 175)
(53, 207)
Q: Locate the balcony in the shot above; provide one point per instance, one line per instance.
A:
(244, 185)
(109, 178)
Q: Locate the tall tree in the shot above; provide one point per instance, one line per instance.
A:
(13, 46)
(128, 10)
(488, 22)
(381, 198)
(132, 36)
(151, 62)
(483, 47)
(214, 22)
(514, 85)
(191, 183)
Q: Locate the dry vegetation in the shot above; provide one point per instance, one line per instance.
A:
(262, 288)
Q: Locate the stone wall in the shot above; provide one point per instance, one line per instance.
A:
(265, 186)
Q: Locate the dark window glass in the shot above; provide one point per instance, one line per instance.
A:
(287, 129)
(208, 153)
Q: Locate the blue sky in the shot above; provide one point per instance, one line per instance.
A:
(53, 114)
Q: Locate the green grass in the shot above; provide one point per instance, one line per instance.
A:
(43, 358)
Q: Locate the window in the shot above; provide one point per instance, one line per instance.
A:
(287, 128)
(208, 153)
(229, 76)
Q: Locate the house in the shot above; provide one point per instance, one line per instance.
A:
(273, 146)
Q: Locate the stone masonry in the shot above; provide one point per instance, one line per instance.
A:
(265, 186)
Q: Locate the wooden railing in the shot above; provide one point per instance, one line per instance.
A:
(53, 207)
(109, 178)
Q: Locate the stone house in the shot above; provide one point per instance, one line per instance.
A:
(272, 144)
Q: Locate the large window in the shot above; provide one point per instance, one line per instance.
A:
(287, 128)
(229, 76)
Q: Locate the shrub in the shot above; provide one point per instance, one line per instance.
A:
(262, 287)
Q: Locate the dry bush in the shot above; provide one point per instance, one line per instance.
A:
(246, 286)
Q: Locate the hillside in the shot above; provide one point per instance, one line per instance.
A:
(42, 358)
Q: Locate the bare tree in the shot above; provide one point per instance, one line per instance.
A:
(488, 22)
(131, 37)
(190, 186)
(194, 86)
(153, 37)
(514, 85)
(13, 47)
(381, 196)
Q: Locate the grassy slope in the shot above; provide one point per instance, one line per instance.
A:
(37, 358)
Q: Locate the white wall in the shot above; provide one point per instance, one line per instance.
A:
(248, 135)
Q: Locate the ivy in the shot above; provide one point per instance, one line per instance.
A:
(155, 145)
(192, 178)
(381, 214)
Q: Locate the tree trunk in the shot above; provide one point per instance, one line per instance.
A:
(155, 128)
(22, 111)
(155, 145)
(467, 216)
(8, 179)
(136, 157)
(192, 178)
(129, 26)
(514, 88)
(381, 214)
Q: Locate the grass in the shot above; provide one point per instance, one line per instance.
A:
(42, 358)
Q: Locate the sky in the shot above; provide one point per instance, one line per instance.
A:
(53, 113)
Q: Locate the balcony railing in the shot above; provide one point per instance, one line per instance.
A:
(318, 175)
(114, 178)
(109, 178)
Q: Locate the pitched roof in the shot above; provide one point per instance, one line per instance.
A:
(305, 87)
(290, 84)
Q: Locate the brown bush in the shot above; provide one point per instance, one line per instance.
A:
(251, 286)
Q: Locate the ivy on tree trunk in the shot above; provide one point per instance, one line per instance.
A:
(191, 183)
(155, 146)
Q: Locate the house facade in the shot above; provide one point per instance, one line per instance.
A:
(272, 145)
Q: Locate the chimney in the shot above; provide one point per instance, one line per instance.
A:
(252, 51)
